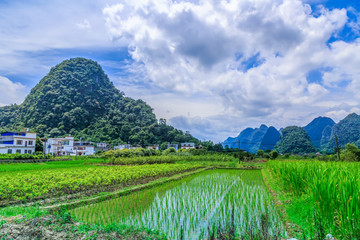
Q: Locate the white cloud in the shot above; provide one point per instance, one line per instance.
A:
(193, 58)
(11, 92)
(199, 47)
(85, 24)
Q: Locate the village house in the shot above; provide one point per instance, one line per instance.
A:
(17, 142)
(155, 147)
(187, 145)
(123, 146)
(126, 146)
(83, 148)
(102, 146)
(173, 146)
(60, 146)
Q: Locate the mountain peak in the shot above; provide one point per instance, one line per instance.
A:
(76, 97)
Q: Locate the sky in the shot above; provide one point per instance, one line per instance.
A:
(209, 67)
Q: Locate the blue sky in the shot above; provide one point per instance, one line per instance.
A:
(211, 67)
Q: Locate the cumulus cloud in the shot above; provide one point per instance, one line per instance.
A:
(200, 47)
(11, 92)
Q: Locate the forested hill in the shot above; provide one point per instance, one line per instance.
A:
(76, 97)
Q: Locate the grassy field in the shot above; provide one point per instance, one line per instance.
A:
(83, 178)
(324, 196)
(51, 182)
(195, 207)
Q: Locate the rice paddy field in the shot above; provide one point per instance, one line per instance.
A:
(325, 196)
(24, 182)
(208, 204)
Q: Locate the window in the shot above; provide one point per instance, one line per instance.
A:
(25, 151)
(66, 142)
(31, 143)
(18, 142)
(10, 151)
(29, 151)
(18, 150)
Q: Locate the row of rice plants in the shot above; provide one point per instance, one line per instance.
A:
(56, 182)
(172, 159)
(19, 156)
(334, 189)
(188, 208)
(18, 167)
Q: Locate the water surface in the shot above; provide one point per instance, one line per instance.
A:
(194, 207)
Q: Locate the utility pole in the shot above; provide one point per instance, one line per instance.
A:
(239, 152)
(337, 147)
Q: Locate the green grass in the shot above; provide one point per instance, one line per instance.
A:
(43, 183)
(27, 211)
(326, 196)
(19, 167)
(191, 205)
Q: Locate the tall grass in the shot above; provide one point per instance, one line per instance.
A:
(171, 159)
(334, 189)
(188, 208)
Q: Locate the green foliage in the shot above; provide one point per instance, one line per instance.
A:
(76, 97)
(351, 153)
(274, 154)
(18, 156)
(141, 160)
(169, 151)
(347, 131)
(39, 147)
(128, 153)
(171, 158)
(332, 189)
(35, 184)
(294, 140)
(260, 153)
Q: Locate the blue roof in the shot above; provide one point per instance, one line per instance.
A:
(13, 134)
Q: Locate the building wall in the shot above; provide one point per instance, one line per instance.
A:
(17, 142)
(60, 146)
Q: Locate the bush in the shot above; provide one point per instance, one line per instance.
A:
(129, 153)
(274, 154)
(18, 156)
(169, 151)
(260, 153)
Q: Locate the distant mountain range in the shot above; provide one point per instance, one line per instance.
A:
(253, 139)
(321, 131)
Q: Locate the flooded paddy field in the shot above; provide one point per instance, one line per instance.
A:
(210, 203)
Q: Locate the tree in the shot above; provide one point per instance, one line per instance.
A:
(260, 153)
(274, 154)
(294, 140)
(39, 147)
(218, 147)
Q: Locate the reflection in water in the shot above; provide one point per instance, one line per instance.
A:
(193, 206)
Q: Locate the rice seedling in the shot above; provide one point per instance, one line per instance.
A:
(188, 208)
(333, 189)
(32, 184)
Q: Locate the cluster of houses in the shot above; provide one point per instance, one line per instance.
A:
(24, 142)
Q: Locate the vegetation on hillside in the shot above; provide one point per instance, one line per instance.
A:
(294, 140)
(76, 97)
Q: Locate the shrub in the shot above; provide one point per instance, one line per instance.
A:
(274, 154)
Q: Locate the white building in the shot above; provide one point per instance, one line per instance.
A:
(124, 146)
(17, 142)
(173, 146)
(83, 148)
(187, 145)
(60, 146)
(102, 145)
(155, 147)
